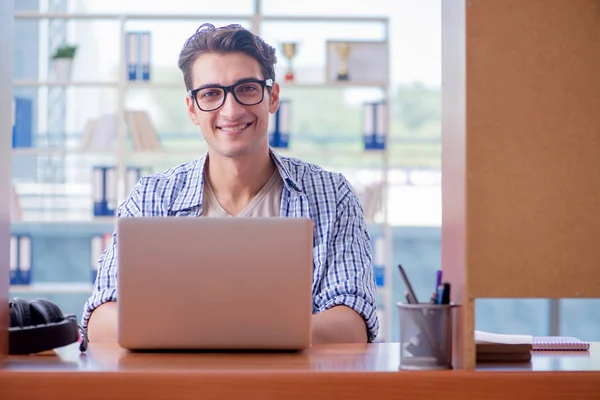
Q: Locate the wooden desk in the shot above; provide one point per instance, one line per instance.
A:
(322, 372)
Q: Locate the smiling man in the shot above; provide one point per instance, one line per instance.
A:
(229, 74)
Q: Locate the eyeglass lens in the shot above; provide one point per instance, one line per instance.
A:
(248, 94)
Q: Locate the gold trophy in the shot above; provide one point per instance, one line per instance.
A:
(289, 51)
(343, 50)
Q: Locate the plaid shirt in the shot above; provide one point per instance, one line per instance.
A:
(342, 268)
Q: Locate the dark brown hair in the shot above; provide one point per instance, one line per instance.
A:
(226, 39)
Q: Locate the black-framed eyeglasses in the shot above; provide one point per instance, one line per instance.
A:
(248, 92)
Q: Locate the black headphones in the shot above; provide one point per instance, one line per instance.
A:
(39, 325)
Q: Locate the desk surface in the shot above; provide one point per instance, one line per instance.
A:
(324, 371)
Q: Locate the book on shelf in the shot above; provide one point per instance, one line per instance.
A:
(99, 134)
(371, 197)
(142, 130)
(98, 245)
(508, 347)
(16, 211)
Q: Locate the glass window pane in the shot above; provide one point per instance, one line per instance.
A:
(330, 7)
(96, 59)
(310, 59)
(166, 40)
(418, 250)
(56, 186)
(229, 7)
(331, 139)
(165, 109)
(580, 318)
(513, 316)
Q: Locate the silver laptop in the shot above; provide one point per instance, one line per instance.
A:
(214, 283)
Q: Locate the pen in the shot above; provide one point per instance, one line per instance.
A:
(411, 297)
(434, 297)
(440, 294)
(443, 293)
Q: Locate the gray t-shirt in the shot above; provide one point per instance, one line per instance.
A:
(266, 203)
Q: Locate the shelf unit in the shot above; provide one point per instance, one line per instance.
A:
(53, 288)
(178, 85)
(123, 154)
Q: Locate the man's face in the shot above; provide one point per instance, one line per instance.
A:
(233, 130)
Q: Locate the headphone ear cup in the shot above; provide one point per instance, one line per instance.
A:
(39, 326)
(44, 312)
(20, 313)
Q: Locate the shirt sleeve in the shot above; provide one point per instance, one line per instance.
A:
(105, 287)
(348, 278)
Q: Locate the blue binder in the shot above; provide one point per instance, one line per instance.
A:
(374, 135)
(378, 246)
(104, 191)
(22, 130)
(138, 55)
(21, 252)
(132, 46)
(279, 135)
(144, 56)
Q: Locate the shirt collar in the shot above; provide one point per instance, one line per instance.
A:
(288, 179)
(192, 191)
(191, 194)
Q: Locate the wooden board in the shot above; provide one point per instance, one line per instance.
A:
(6, 49)
(533, 148)
(345, 371)
(520, 151)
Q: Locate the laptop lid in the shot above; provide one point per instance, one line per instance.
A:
(214, 283)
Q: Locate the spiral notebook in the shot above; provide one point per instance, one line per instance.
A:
(561, 343)
(558, 343)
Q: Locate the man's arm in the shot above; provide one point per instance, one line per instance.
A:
(99, 320)
(346, 301)
(338, 324)
(102, 326)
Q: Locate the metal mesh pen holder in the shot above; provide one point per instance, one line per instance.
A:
(425, 336)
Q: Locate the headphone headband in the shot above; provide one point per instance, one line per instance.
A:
(38, 326)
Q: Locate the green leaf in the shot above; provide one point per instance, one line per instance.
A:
(66, 51)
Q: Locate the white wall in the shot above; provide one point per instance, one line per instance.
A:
(6, 66)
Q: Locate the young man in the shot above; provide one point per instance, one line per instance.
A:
(230, 77)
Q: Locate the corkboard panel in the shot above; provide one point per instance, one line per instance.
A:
(533, 148)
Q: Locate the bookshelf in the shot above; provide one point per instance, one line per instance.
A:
(52, 288)
(33, 83)
(124, 153)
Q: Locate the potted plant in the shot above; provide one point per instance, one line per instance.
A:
(62, 62)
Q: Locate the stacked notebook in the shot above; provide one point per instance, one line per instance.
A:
(500, 347)
(561, 343)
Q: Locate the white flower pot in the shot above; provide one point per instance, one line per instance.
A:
(62, 69)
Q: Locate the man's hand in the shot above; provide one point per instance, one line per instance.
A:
(102, 326)
(339, 324)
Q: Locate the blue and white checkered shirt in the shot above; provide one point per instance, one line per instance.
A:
(342, 267)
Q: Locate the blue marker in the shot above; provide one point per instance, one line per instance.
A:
(440, 294)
